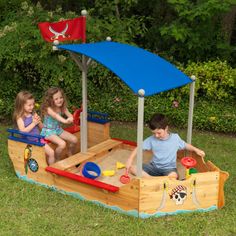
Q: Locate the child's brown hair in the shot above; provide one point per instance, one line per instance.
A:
(20, 101)
(158, 121)
(48, 100)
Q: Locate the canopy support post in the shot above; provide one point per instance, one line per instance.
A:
(83, 65)
(84, 123)
(141, 93)
(190, 111)
(76, 59)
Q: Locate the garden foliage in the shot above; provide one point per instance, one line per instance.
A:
(27, 62)
(191, 30)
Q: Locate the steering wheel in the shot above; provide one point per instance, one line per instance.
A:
(76, 116)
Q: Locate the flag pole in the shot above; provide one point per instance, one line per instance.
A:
(84, 15)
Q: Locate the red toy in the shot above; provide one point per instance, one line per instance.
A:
(125, 179)
(188, 162)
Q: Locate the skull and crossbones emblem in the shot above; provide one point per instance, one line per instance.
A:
(179, 194)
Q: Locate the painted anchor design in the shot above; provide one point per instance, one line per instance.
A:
(57, 34)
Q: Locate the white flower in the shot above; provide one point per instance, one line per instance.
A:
(6, 28)
(50, 14)
(39, 6)
(61, 58)
(30, 11)
(24, 5)
(61, 78)
(2, 34)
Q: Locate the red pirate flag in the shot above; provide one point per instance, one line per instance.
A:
(64, 30)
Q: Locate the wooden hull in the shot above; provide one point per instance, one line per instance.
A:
(142, 197)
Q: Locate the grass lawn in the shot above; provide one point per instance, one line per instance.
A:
(28, 209)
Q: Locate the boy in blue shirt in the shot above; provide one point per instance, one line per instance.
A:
(164, 146)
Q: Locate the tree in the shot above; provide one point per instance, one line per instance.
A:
(190, 30)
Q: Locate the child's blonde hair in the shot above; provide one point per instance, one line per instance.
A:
(21, 98)
(48, 100)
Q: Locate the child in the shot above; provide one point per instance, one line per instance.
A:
(164, 146)
(29, 121)
(53, 106)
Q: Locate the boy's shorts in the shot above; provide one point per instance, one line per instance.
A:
(152, 170)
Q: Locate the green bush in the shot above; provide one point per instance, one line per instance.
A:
(28, 62)
(208, 115)
(215, 79)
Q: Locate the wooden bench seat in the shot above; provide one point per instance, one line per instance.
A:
(72, 161)
(81, 157)
(104, 146)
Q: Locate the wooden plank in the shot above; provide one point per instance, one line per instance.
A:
(130, 143)
(154, 197)
(16, 153)
(97, 133)
(82, 179)
(93, 154)
(72, 161)
(81, 157)
(201, 166)
(223, 177)
(126, 198)
(104, 146)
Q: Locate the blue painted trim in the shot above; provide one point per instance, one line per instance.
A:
(22, 137)
(98, 117)
(100, 121)
(26, 141)
(160, 214)
(115, 208)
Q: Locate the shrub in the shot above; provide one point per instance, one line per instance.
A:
(215, 79)
(28, 62)
(218, 116)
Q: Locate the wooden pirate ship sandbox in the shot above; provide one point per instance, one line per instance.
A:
(142, 197)
(145, 74)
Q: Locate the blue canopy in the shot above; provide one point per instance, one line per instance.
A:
(138, 68)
